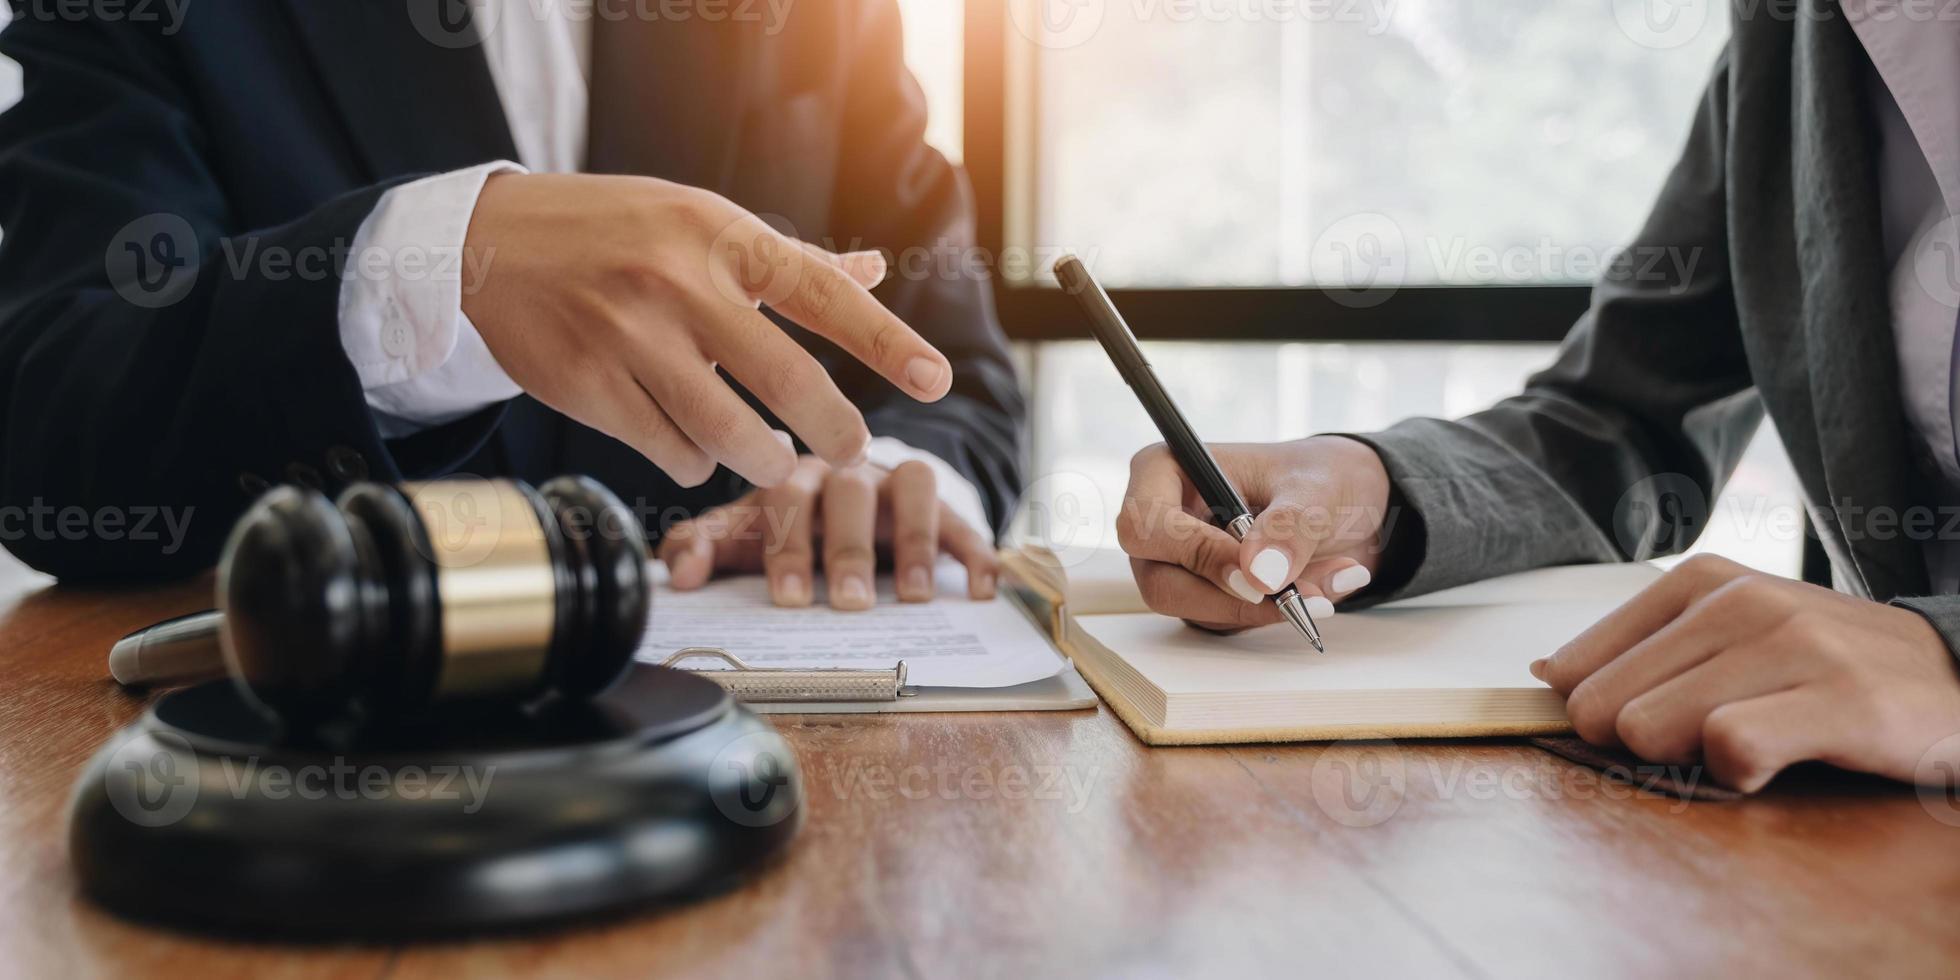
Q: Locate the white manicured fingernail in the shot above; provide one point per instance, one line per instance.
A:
(918, 585)
(1243, 588)
(1270, 568)
(1349, 579)
(1319, 607)
(784, 438)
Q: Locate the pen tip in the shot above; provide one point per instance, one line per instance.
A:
(1295, 608)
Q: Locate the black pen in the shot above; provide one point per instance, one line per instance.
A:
(1227, 507)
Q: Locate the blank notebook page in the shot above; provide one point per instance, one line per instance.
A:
(1483, 635)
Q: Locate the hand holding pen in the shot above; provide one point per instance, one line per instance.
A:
(1188, 568)
(1233, 545)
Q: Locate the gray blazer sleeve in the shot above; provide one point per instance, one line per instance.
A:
(1941, 611)
(1606, 454)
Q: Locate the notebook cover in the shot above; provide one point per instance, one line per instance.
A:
(1152, 734)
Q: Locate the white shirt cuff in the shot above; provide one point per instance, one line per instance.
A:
(955, 491)
(421, 362)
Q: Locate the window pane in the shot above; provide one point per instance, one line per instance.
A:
(1223, 142)
(934, 30)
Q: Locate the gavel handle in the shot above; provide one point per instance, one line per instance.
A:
(176, 651)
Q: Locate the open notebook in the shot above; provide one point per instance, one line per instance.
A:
(1450, 664)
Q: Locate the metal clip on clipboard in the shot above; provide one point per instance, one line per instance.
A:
(794, 685)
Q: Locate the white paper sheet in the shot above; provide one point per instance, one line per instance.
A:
(949, 642)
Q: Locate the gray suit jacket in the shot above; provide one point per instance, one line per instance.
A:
(1606, 454)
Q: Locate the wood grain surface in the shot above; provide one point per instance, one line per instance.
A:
(1054, 844)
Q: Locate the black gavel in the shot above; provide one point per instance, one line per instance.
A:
(395, 600)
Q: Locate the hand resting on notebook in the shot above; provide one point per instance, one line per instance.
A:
(1751, 673)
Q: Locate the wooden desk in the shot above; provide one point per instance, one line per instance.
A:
(1498, 861)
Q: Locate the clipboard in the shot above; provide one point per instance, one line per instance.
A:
(795, 685)
(837, 691)
(831, 690)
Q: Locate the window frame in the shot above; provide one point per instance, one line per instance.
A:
(1038, 312)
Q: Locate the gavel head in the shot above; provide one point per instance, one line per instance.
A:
(395, 600)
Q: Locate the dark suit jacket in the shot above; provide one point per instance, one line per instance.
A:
(1607, 454)
(276, 124)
